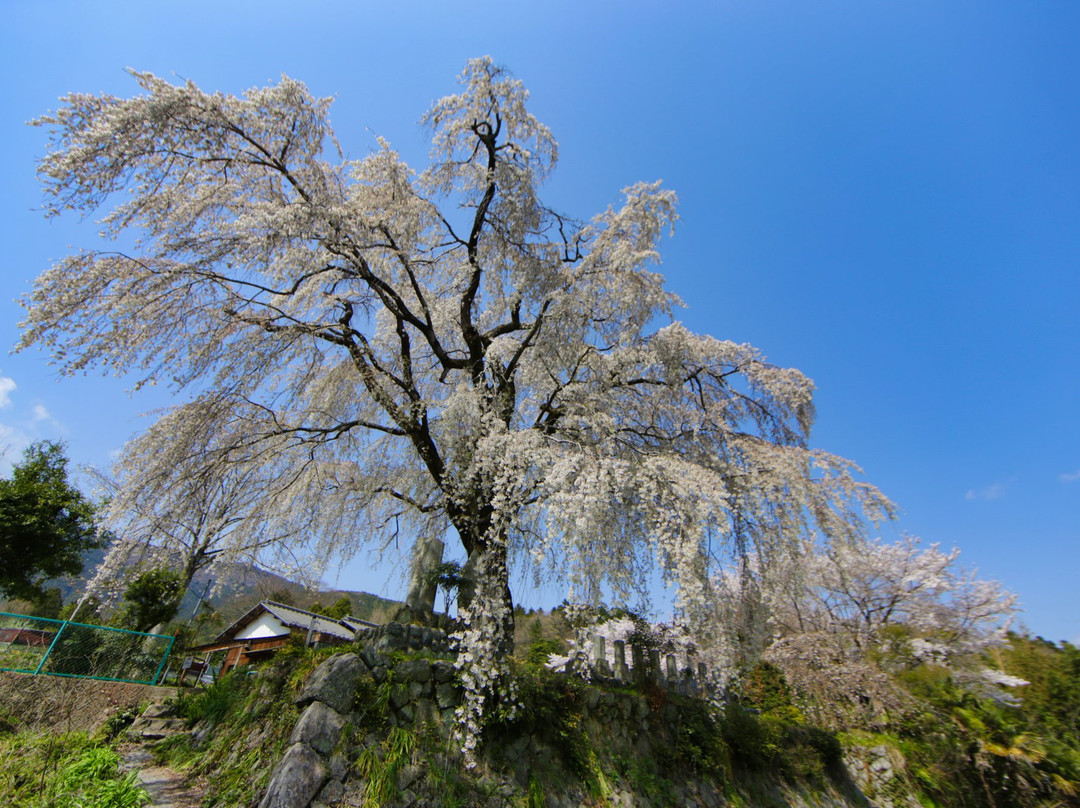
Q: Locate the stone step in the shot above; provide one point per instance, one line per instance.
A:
(152, 729)
(159, 711)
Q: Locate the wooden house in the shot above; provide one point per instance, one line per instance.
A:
(267, 627)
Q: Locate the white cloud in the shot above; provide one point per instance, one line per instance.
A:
(20, 429)
(12, 442)
(993, 491)
(6, 386)
(1070, 478)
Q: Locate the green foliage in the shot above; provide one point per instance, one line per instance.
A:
(282, 596)
(50, 604)
(534, 797)
(118, 722)
(448, 577)
(1051, 699)
(152, 598)
(550, 709)
(46, 524)
(699, 743)
(213, 703)
(778, 740)
(539, 652)
(644, 778)
(64, 771)
(372, 702)
(765, 687)
(961, 747)
(340, 608)
(379, 766)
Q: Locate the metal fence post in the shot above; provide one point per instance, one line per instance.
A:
(49, 649)
(168, 651)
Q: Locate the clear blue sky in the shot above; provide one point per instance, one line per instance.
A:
(885, 195)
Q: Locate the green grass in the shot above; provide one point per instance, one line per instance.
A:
(69, 770)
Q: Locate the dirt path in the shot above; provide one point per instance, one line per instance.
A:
(167, 787)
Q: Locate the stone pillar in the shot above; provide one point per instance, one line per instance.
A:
(600, 664)
(688, 683)
(639, 664)
(620, 660)
(654, 665)
(427, 555)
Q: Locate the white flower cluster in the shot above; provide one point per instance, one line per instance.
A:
(482, 662)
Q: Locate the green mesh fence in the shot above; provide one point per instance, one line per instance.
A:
(60, 648)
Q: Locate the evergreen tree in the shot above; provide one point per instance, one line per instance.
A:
(46, 524)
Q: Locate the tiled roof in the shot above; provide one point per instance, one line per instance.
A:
(357, 624)
(308, 621)
(298, 619)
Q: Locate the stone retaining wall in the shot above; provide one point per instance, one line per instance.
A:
(68, 704)
(399, 637)
(315, 770)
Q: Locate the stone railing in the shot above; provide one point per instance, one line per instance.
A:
(645, 665)
(633, 664)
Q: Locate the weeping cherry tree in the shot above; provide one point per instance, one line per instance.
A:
(417, 353)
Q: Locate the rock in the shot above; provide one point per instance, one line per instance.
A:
(447, 695)
(296, 780)
(399, 696)
(319, 727)
(426, 711)
(201, 733)
(415, 670)
(516, 750)
(334, 683)
(442, 671)
(332, 792)
(373, 659)
(407, 776)
(153, 729)
(158, 711)
(391, 642)
(339, 766)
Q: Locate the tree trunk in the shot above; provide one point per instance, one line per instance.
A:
(487, 567)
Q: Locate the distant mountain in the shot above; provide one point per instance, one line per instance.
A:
(245, 585)
(233, 590)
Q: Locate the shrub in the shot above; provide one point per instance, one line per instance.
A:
(212, 703)
(551, 709)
